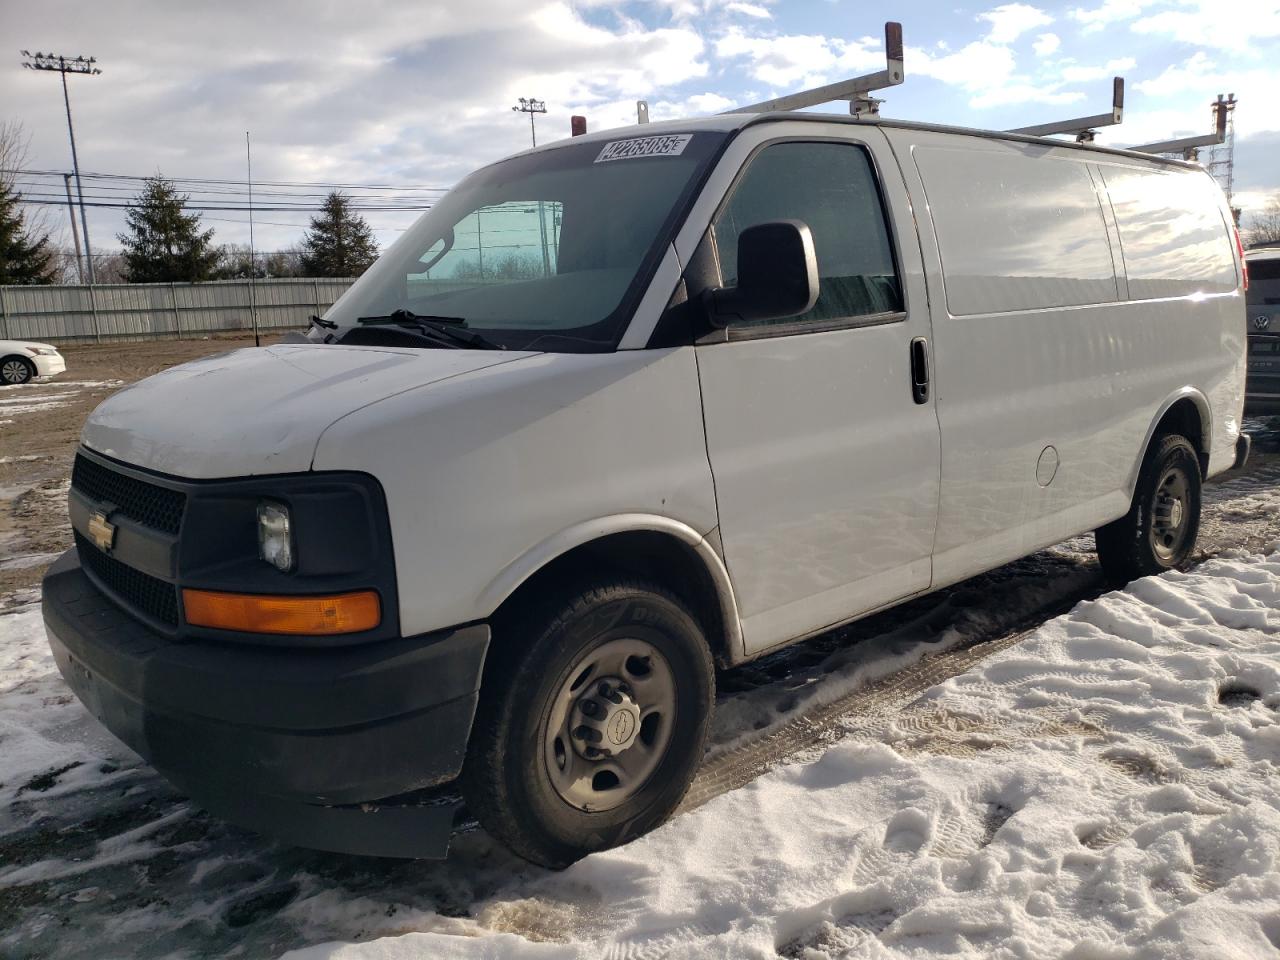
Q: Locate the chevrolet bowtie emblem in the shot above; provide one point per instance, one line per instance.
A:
(102, 531)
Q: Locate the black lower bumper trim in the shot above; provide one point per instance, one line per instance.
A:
(302, 744)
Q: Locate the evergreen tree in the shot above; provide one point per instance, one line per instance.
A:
(339, 242)
(23, 258)
(164, 243)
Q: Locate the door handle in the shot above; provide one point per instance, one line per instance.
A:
(920, 370)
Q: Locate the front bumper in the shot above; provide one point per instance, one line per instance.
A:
(49, 366)
(304, 744)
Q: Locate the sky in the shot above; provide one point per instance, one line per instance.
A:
(415, 95)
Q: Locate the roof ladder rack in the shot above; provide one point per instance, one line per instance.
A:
(1189, 146)
(1082, 128)
(855, 90)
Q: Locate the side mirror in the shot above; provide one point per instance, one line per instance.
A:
(777, 276)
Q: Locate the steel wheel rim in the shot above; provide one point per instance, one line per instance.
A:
(14, 372)
(1170, 513)
(594, 784)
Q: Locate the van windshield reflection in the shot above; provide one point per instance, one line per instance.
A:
(547, 251)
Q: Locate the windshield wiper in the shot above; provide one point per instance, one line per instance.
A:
(440, 329)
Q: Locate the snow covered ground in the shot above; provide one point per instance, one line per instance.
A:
(1112, 776)
(1108, 788)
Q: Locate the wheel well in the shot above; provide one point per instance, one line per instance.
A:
(17, 356)
(1184, 418)
(658, 557)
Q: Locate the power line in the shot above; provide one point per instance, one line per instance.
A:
(265, 183)
(418, 208)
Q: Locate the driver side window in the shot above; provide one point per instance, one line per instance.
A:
(832, 188)
(516, 240)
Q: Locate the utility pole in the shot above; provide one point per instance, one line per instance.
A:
(253, 297)
(83, 65)
(75, 234)
(531, 106)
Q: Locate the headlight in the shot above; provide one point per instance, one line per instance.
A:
(275, 538)
(44, 351)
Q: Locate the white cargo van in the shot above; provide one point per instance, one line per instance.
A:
(617, 411)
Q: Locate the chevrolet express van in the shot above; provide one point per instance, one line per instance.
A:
(615, 413)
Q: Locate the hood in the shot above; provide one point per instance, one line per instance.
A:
(24, 345)
(260, 410)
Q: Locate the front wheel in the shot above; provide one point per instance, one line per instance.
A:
(1159, 531)
(16, 370)
(591, 723)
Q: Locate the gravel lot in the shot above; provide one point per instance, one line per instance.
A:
(39, 428)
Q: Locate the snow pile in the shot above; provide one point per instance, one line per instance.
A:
(1108, 788)
(52, 394)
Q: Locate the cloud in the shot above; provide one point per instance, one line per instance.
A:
(697, 105)
(784, 61)
(377, 92)
(1046, 44)
(1111, 11)
(1011, 20)
(1112, 68)
(988, 73)
(749, 10)
(1205, 23)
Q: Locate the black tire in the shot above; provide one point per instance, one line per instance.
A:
(507, 781)
(1136, 545)
(16, 370)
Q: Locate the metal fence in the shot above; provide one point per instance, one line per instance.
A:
(140, 311)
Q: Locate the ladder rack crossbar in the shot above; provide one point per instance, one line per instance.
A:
(1186, 145)
(1082, 128)
(855, 89)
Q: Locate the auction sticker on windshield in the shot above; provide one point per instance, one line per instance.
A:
(671, 145)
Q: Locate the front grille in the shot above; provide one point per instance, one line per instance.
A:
(143, 592)
(150, 505)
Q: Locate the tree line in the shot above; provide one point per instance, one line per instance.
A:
(164, 242)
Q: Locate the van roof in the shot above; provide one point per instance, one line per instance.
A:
(726, 122)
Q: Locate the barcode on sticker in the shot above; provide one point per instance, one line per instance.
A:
(671, 145)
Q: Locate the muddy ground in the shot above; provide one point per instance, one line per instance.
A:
(39, 428)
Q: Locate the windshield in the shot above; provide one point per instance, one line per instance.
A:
(544, 251)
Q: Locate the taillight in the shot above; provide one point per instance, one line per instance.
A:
(1244, 266)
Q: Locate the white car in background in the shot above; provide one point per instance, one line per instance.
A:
(21, 362)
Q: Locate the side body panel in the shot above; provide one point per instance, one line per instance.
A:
(481, 477)
(1048, 380)
(826, 470)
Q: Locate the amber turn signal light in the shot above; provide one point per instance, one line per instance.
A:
(311, 616)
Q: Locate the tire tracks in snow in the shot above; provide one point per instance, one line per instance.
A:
(873, 705)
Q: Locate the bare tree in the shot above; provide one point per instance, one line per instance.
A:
(1265, 226)
(26, 244)
(15, 142)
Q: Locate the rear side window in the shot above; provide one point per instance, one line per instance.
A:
(832, 188)
(1017, 229)
(1264, 282)
(1174, 239)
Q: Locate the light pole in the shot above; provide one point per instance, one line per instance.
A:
(531, 106)
(60, 64)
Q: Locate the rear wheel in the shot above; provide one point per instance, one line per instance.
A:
(1159, 531)
(16, 370)
(591, 723)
